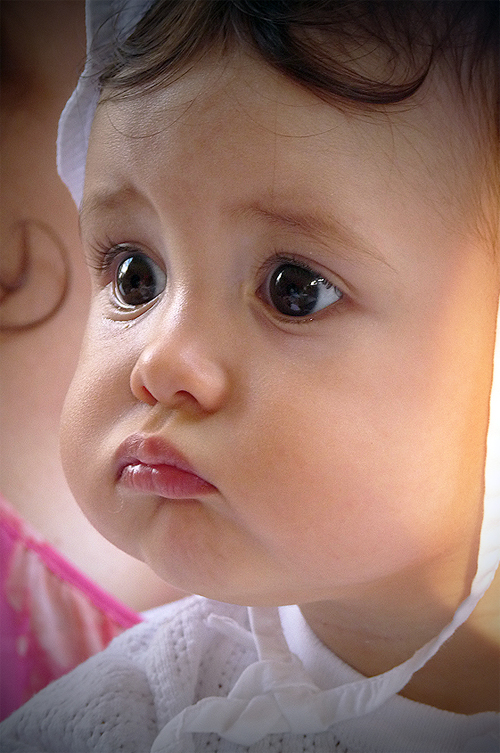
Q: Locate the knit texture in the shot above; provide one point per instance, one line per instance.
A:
(121, 699)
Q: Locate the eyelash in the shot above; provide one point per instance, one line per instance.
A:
(282, 257)
(103, 255)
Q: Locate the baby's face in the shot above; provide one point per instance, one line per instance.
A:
(292, 304)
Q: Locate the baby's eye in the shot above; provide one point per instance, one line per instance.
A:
(138, 280)
(296, 290)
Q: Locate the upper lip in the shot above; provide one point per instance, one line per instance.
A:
(150, 450)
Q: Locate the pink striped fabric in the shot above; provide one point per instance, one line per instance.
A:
(52, 617)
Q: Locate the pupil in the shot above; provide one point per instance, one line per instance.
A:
(293, 290)
(135, 281)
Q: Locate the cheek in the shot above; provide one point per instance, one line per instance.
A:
(347, 471)
(79, 428)
(97, 396)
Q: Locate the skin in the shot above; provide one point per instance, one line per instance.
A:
(347, 449)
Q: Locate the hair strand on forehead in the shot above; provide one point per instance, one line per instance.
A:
(320, 44)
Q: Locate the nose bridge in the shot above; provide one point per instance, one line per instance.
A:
(184, 359)
(194, 321)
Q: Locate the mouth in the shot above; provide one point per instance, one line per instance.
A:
(151, 465)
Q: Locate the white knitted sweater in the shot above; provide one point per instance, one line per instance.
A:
(122, 699)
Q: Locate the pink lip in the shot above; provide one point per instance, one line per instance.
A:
(149, 464)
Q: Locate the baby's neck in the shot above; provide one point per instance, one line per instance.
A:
(463, 677)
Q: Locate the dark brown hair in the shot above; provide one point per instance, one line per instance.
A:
(316, 43)
(322, 45)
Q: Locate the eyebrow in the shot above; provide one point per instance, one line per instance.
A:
(328, 231)
(315, 225)
(104, 201)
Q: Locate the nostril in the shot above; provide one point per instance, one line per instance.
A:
(184, 399)
(146, 396)
(138, 386)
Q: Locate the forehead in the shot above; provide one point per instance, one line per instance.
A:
(266, 137)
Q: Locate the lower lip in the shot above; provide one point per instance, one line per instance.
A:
(165, 481)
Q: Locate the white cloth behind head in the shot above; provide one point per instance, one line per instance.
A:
(107, 22)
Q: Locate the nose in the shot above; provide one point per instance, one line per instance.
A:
(180, 372)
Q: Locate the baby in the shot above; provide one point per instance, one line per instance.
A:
(290, 215)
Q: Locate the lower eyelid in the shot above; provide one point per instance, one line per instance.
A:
(290, 324)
